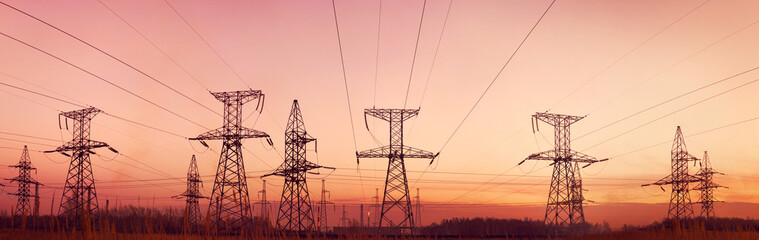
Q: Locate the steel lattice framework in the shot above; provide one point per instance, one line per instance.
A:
(295, 213)
(79, 200)
(418, 209)
(679, 203)
(265, 204)
(564, 209)
(321, 218)
(24, 179)
(396, 196)
(192, 216)
(707, 186)
(229, 210)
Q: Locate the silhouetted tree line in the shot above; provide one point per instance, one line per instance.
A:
(711, 224)
(126, 219)
(493, 227)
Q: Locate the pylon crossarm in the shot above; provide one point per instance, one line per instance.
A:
(283, 170)
(244, 96)
(385, 114)
(76, 145)
(384, 152)
(231, 133)
(23, 180)
(551, 118)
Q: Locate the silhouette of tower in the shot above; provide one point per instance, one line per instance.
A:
(79, 199)
(564, 210)
(321, 218)
(344, 221)
(295, 212)
(679, 203)
(418, 209)
(706, 185)
(192, 216)
(229, 210)
(24, 179)
(376, 208)
(396, 200)
(265, 204)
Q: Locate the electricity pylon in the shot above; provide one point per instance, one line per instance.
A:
(24, 179)
(344, 221)
(322, 208)
(192, 216)
(295, 212)
(396, 200)
(79, 199)
(564, 210)
(229, 210)
(679, 203)
(707, 186)
(418, 209)
(265, 204)
(377, 208)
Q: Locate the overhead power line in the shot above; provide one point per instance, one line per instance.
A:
(107, 54)
(416, 48)
(207, 44)
(157, 48)
(615, 62)
(497, 75)
(673, 112)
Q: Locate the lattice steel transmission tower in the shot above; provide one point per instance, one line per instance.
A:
(79, 200)
(707, 186)
(265, 204)
(564, 210)
(321, 218)
(679, 203)
(396, 200)
(24, 194)
(192, 215)
(295, 212)
(376, 206)
(229, 210)
(418, 209)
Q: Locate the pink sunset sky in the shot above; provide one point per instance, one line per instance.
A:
(603, 59)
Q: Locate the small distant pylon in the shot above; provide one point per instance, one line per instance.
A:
(418, 209)
(376, 208)
(707, 186)
(265, 204)
(24, 179)
(295, 213)
(564, 210)
(679, 203)
(396, 199)
(344, 221)
(322, 208)
(79, 203)
(229, 210)
(192, 215)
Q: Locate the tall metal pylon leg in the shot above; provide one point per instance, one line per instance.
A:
(295, 213)
(24, 208)
(229, 210)
(679, 203)
(564, 210)
(396, 201)
(706, 186)
(79, 199)
(192, 215)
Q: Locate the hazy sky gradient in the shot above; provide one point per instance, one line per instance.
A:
(289, 50)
